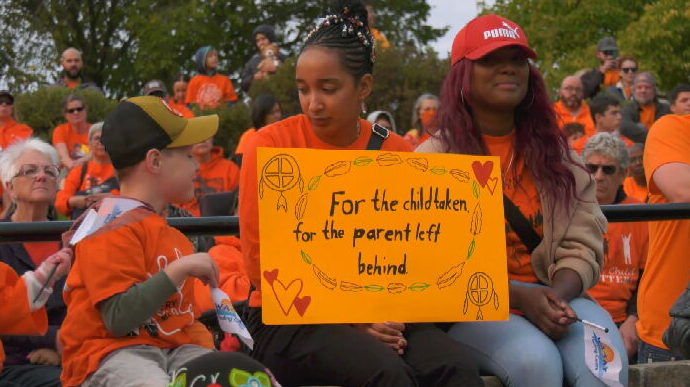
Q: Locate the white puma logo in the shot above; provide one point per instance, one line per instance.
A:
(512, 29)
(508, 32)
(626, 248)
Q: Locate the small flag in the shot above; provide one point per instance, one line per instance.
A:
(602, 359)
(110, 209)
(228, 318)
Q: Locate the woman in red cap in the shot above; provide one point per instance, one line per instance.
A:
(494, 102)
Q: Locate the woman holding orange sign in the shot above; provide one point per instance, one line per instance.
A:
(333, 74)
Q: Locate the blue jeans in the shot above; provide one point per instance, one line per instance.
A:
(647, 353)
(521, 355)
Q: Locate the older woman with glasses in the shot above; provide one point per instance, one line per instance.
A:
(29, 174)
(71, 138)
(625, 244)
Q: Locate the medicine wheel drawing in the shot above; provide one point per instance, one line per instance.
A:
(281, 173)
(480, 291)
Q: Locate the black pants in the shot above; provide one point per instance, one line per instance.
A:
(30, 375)
(338, 354)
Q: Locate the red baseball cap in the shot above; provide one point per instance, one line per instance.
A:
(485, 34)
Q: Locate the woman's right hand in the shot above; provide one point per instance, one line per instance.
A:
(543, 307)
(388, 333)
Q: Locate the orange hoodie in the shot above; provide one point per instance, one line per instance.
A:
(216, 175)
(584, 117)
(12, 131)
(96, 174)
(210, 91)
(17, 317)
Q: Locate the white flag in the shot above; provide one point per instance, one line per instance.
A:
(228, 318)
(602, 359)
(109, 209)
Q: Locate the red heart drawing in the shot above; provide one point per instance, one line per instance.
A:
(271, 276)
(301, 304)
(286, 295)
(491, 184)
(482, 171)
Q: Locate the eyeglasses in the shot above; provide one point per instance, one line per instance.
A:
(75, 110)
(608, 169)
(629, 69)
(31, 170)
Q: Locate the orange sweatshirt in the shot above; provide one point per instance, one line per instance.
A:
(216, 175)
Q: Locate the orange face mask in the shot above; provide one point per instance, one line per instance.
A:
(427, 117)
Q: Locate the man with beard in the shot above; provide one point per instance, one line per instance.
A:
(644, 110)
(72, 65)
(571, 107)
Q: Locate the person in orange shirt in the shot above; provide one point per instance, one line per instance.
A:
(130, 296)
(627, 71)
(640, 114)
(71, 76)
(10, 130)
(216, 174)
(635, 185)
(71, 138)
(333, 74)
(574, 131)
(177, 101)
(265, 111)
(667, 166)
(422, 115)
(495, 102)
(680, 99)
(23, 298)
(606, 75)
(86, 184)
(157, 88)
(571, 107)
(378, 36)
(208, 88)
(625, 243)
(606, 114)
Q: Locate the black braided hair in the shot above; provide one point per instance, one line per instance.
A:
(344, 28)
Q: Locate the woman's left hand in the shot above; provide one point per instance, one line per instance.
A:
(389, 333)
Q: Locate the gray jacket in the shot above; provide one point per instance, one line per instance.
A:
(631, 126)
(677, 336)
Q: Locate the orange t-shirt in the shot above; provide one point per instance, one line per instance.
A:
(584, 117)
(16, 317)
(293, 132)
(668, 268)
(579, 145)
(633, 190)
(647, 115)
(71, 84)
(12, 131)
(625, 254)
(77, 144)
(210, 91)
(217, 175)
(611, 78)
(522, 192)
(233, 278)
(96, 174)
(244, 139)
(131, 249)
(181, 108)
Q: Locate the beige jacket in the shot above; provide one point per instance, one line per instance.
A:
(573, 237)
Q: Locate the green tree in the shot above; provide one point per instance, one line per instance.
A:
(564, 33)
(127, 42)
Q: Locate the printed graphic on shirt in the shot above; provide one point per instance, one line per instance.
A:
(209, 95)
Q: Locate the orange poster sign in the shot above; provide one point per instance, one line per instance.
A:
(370, 236)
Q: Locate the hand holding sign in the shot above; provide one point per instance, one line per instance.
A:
(358, 244)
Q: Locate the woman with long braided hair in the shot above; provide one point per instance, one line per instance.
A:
(334, 77)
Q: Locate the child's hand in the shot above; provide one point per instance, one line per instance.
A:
(63, 260)
(199, 265)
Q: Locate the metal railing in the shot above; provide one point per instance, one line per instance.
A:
(229, 225)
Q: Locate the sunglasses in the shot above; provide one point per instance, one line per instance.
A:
(608, 169)
(31, 170)
(75, 110)
(629, 69)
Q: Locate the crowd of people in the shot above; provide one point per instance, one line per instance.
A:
(133, 292)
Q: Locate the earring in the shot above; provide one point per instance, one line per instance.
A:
(364, 108)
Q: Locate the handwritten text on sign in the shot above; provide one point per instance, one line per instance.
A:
(369, 236)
